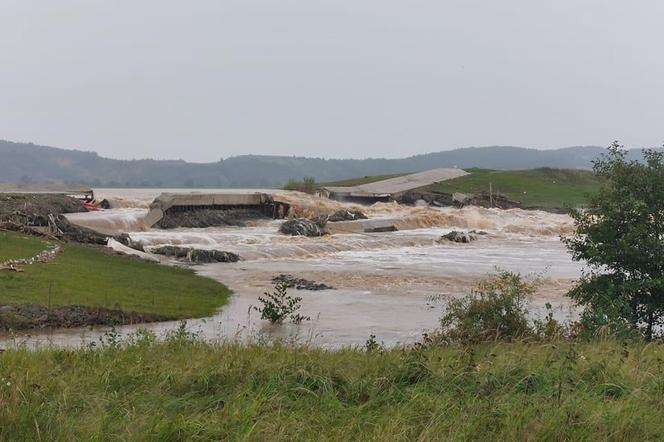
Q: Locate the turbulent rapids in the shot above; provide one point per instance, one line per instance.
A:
(384, 281)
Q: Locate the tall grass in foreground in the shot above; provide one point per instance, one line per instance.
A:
(184, 389)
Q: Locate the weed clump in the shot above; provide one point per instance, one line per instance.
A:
(372, 345)
(279, 305)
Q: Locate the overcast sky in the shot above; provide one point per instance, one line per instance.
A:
(206, 79)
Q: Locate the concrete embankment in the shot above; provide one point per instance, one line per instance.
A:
(170, 210)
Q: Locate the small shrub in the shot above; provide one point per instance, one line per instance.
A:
(111, 338)
(412, 367)
(606, 321)
(372, 345)
(550, 328)
(495, 310)
(279, 305)
(181, 335)
(142, 337)
(307, 185)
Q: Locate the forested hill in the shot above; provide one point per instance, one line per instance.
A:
(26, 162)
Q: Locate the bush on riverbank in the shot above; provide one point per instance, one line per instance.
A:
(184, 389)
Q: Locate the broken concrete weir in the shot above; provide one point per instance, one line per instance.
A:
(179, 210)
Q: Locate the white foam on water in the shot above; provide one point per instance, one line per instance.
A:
(383, 279)
(111, 221)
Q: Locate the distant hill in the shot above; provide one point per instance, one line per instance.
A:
(30, 163)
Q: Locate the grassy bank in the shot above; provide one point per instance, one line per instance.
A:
(15, 246)
(545, 187)
(183, 390)
(92, 277)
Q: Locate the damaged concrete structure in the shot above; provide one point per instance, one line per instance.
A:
(390, 189)
(235, 204)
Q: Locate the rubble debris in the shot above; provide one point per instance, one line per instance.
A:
(42, 257)
(126, 240)
(125, 250)
(381, 229)
(303, 227)
(28, 230)
(497, 201)
(197, 256)
(346, 215)
(32, 209)
(60, 226)
(291, 281)
(456, 236)
(442, 199)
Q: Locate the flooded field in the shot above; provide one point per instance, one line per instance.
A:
(391, 284)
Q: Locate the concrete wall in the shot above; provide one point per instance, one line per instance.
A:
(186, 201)
(392, 187)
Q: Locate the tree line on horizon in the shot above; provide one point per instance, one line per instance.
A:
(30, 163)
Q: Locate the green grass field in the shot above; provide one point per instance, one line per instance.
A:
(15, 246)
(545, 187)
(86, 276)
(181, 390)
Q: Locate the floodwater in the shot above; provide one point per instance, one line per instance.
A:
(391, 284)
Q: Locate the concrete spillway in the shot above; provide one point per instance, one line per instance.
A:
(186, 202)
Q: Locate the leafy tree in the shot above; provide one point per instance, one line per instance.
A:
(620, 235)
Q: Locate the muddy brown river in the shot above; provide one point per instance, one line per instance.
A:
(391, 284)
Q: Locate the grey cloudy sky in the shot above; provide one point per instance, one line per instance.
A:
(206, 79)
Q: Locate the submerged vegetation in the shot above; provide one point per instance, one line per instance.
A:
(278, 305)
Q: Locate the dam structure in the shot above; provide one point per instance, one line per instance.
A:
(390, 189)
(173, 204)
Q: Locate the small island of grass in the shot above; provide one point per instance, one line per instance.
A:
(99, 279)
